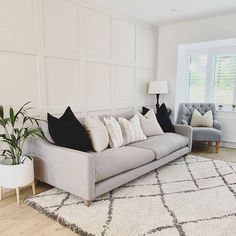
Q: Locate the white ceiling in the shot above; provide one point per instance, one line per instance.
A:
(162, 12)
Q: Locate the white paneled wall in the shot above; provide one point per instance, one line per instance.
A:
(70, 52)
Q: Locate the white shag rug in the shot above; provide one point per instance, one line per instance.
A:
(190, 196)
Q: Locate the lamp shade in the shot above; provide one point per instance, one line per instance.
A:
(157, 87)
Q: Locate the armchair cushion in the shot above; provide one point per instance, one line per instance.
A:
(206, 134)
(199, 120)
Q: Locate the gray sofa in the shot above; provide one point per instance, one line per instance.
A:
(89, 175)
(212, 134)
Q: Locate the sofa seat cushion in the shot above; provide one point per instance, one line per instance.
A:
(206, 134)
(114, 161)
(164, 144)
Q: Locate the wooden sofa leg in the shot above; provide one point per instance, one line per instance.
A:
(217, 146)
(87, 203)
(209, 145)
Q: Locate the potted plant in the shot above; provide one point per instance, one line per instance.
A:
(16, 166)
(233, 107)
(220, 107)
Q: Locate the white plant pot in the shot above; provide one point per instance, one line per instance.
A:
(15, 176)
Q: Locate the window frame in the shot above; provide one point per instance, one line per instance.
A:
(211, 53)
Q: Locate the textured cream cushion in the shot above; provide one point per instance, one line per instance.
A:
(199, 120)
(131, 129)
(150, 124)
(97, 132)
(114, 130)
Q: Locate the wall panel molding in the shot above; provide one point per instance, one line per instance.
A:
(74, 52)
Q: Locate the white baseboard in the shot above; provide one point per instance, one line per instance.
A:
(228, 144)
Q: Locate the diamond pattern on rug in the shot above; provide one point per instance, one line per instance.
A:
(190, 196)
(216, 227)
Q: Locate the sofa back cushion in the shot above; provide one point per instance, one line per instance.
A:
(97, 132)
(67, 131)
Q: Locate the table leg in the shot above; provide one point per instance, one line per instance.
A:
(18, 195)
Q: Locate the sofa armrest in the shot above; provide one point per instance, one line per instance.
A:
(186, 131)
(184, 122)
(217, 125)
(67, 169)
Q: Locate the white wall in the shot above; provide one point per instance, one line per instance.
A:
(70, 52)
(170, 37)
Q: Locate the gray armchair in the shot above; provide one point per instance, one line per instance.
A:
(209, 134)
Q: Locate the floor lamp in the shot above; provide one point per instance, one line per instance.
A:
(157, 87)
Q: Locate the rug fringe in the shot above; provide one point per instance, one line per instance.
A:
(57, 218)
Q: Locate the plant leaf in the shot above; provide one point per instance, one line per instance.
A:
(22, 109)
(12, 118)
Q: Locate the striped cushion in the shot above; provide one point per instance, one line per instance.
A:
(131, 129)
(115, 134)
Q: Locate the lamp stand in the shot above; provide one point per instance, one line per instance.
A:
(157, 105)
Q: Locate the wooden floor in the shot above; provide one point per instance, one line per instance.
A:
(23, 220)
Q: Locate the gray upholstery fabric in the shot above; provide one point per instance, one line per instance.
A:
(114, 161)
(217, 125)
(186, 131)
(200, 133)
(76, 172)
(164, 144)
(118, 180)
(64, 168)
(186, 110)
(206, 134)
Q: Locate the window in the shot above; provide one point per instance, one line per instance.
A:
(224, 79)
(212, 76)
(197, 78)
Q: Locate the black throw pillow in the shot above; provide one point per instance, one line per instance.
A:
(162, 118)
(145, 110)
(67, 131)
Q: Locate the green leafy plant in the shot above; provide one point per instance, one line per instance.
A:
(16, 131)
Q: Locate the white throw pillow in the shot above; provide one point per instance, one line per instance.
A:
(97, 132)
(115, 133)
(131, 129)
(199, 120)
(150, 124)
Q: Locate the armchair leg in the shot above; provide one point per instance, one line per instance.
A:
(217, 146)
(209, 144)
